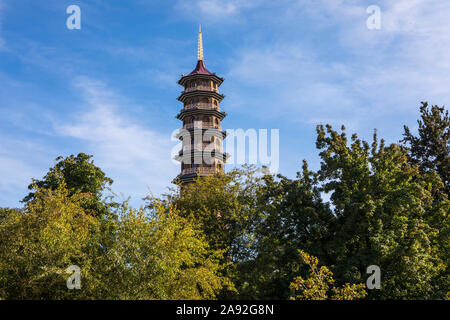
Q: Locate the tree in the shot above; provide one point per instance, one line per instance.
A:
(431, 148)
(139, 255)
(224, 207)
(6, 212)
(81, 175)
(238, 234)
(293, 216)
(161, 256)
(40, 242)
(385, 215)
(321, 286)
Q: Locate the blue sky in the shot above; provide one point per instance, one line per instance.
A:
(110, 88)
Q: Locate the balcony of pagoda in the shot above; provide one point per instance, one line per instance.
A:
(202, 125)
(201, 88)
(187, 95)
(200, 171)
(201, 105)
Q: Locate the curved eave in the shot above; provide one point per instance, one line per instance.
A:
(216, 132)
(199, 93)
(212, 77)
(197, 111)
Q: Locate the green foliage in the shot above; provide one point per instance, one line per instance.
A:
(385, 214)
(237, 235)
(135, 256)
(161, 256)
(321, 286)
(38, 244)
(6, 212)
(293, 217)
(431, 148)
(224, 207)
(81, 176)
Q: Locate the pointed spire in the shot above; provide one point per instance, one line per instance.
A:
(200, 44)
(200, 67)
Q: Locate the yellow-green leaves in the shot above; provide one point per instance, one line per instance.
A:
(320, 284)
(130, 254)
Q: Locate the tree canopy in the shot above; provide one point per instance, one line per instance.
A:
(431, 148)
(80, 175)
(245, 234)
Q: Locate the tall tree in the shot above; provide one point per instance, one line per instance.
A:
(431, 148)
(293, 216)
(38, 244)
(161, 256)
(385, 215)
(224, 207)
(80, 175)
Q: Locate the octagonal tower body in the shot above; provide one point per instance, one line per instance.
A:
(201, 134)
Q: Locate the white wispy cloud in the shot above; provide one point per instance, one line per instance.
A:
(215, 10)
(390, 72)
(133, 155)
(16, 169)
(408, 53)
(136, 157)
(298, 86)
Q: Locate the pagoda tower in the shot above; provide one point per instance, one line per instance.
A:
(202, 136)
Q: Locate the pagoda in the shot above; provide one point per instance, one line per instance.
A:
(202, 136)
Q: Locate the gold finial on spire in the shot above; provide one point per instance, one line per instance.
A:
(200, 44)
